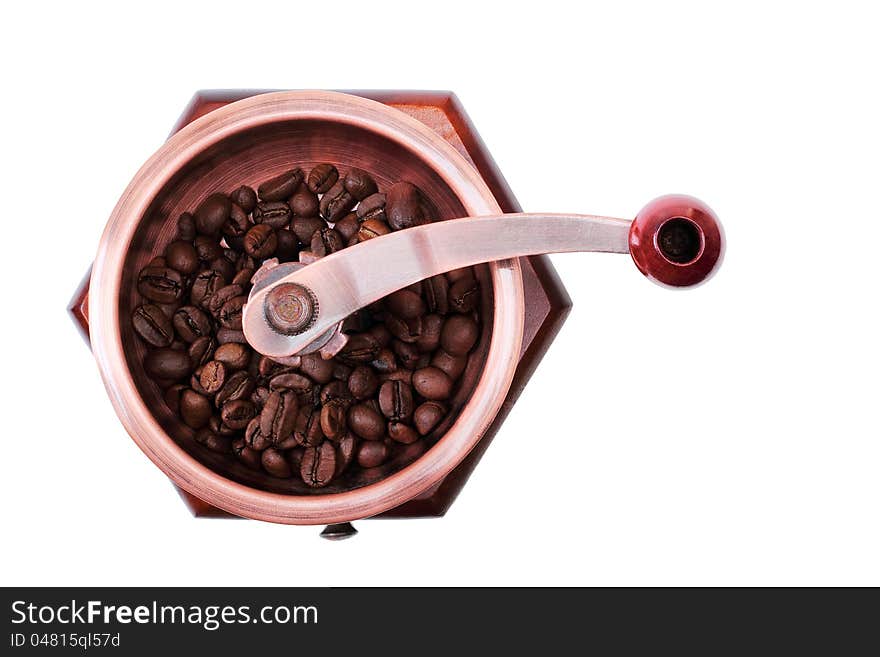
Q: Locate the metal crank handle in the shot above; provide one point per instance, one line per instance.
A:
(676, 241)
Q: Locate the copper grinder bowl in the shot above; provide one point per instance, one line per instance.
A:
(247, 142)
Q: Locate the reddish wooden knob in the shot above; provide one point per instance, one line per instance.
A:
(676, 241)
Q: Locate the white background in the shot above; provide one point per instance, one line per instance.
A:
(755, 463)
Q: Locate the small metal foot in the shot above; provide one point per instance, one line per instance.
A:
(339, 532)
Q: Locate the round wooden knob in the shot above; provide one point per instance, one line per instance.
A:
(676, 241)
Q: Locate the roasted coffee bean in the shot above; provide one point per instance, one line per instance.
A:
(311, 397)
(275, 464)
(316, 368)
(333, 420)
(236, 414)
(405, 304)
(372, 228)
(335, 391)
(345, 452)
(459, 335)
(195, 382)
(402, 433)
(382, 334)
(455, 275)
(326, 241)
(372, 453)
(347, 227)
(172, 397)
(279, 416)
(397, 375)
(407, 330)
(212, 441)
(213, 376)
(268, 367)
(322, 178)
(366, 421)
(305, 227)
(231, 312)
(341, 371)
(169, 309)
(318, 465)
(234, 356)
(358, 322)
(208, 248)
(385, 361)
(223, 267)
(260, 241)
(464, 295)
(190, 323)
(235, 242)
(436, 293)
(245, 454)
(429, 339)
(360, 184)
(363, 382)
(403, 206)
(304, 203)
(152, 325)
(281, 186)
(237, 224)
(202, 350)
(427, 416)
(432, 383)
(307, 429)
(212, 213)
(372, 207)
(226, 293)
(295, 457)
(182, 256)
(275, 215)
(205, 284)
(195, 409)
(243, 278)
(336, 203)
(408, 354)
(158, 261)
(396, 400)
(167, 363)
(160, 284)
(291, 381)
(288, 246)
(260, 395)
(244, 261)
(360, 348)
(224, 429)
(245, 198)
(254, 437)
(238, 386)
(227, 335)
(186, 227)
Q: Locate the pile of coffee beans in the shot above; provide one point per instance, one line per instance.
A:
(314, 419)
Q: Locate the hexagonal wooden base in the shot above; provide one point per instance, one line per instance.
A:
(547, 303)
